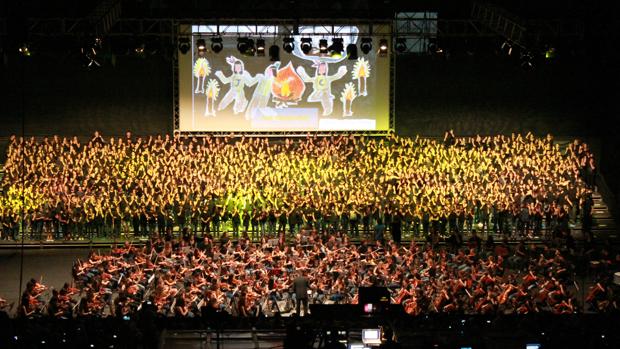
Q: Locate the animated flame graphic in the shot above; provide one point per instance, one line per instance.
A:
(213, 90)
(349, 92)
(201, 67)
(361, 69)
(347, 96)
(287, 85)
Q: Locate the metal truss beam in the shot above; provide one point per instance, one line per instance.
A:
(500, 22)
(408, 27)
(279, 134)
(556, 28)
(526, 33)
(69, 27)
(432, 28)
(105, 15)
(164, 27)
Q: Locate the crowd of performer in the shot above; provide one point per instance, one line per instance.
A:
(505, 184)
(187, 278)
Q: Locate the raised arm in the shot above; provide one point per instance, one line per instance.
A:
(342, 71)
(223, 79)
(302, 73)
(249, 80)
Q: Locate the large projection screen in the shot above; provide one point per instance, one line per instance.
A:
(232, 92)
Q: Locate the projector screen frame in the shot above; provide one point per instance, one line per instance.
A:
(183, 29)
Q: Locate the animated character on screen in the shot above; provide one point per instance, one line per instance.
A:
(321, 81)
(322, 84)
(238, 80)
(361, 71)
(288, 87)
(213, 90)
(262, 92)
(201, 70)
(346, 97)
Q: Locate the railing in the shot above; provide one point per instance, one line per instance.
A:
(608, 196)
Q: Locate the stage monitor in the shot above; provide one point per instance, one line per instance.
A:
(233, 85)
(371, 336)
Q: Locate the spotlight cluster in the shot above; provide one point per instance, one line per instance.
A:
(306, 45)
(336, 48)
(250, 47)
(288, 44)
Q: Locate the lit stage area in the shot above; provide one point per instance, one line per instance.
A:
(293, 226)
(517, 187)
(308, 175)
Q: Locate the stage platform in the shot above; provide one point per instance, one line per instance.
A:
(604, 229)
(434, 331)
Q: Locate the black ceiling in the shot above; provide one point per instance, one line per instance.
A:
(306, 8)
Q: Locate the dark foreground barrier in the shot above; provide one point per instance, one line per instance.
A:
(432, 331)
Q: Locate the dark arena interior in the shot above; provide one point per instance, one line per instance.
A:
(309, 174)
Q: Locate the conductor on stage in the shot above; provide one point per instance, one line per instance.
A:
(301, 287)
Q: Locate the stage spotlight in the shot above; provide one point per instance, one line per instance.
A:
(337, 47)
(323, 46)
(24, 50)
(216, 44)
(401, 45)
(434, 49)
(352, 51)
(139, 49)
(242, 45)
(507, 47)
(366, 45)
(274, 53)
(383, 47)
(526, 61)
(251, 50)
(260, 47)
(184, 45)
(289, 44)
(550, 53)
(306, 45)
(201, 46)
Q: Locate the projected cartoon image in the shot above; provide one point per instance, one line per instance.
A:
(347, 96)
(263, 89)
(315, 89)
(202, 69)
(361, 71)
(288, 87)
(213, 90)
(321, 81)
(238, 80)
